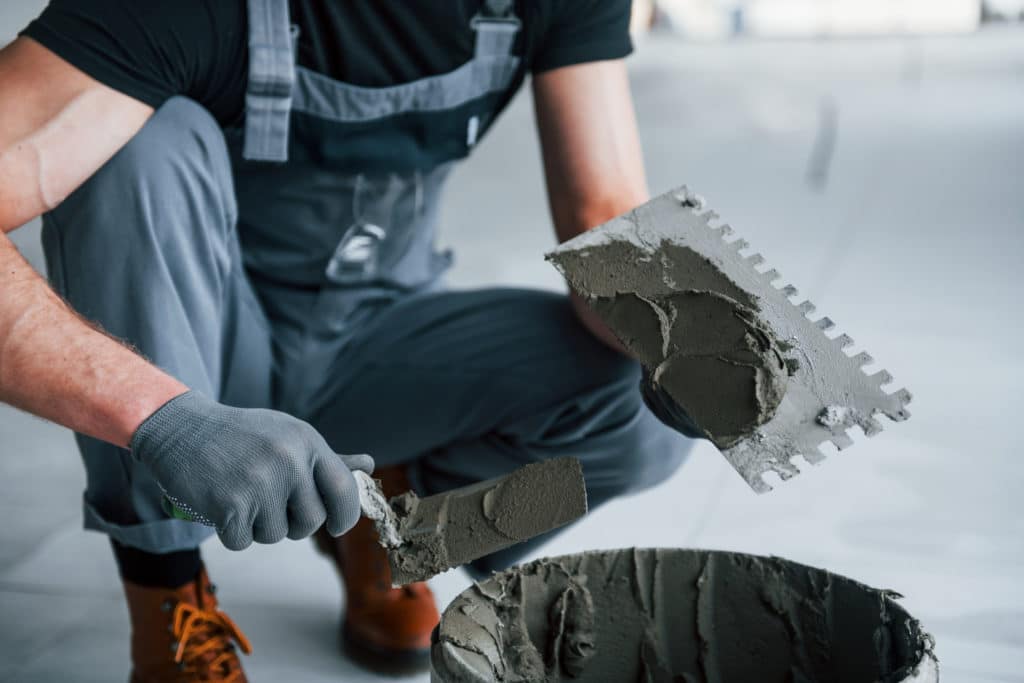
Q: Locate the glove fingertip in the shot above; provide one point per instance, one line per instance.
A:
(234, 536)
(338, 524)
(359, 461)
(235, 544)
(340, 495)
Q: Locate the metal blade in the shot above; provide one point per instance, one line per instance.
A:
(452, 528)
(826, 391)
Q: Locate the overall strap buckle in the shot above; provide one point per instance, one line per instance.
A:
(496, 26)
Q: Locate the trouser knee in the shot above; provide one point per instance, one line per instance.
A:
(147, 248)
(630, 449)
(146, 245)
(648, 459)
(170, 183)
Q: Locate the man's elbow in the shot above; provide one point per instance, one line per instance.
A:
(595, 210)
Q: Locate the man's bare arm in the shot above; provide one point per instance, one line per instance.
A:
(57, 127)
(592, 159)
(257, 475)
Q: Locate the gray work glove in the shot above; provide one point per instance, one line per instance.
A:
(253, 474)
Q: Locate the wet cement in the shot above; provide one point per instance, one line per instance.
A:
(456, 527)
(727, 353)
(676, 616)
(374, 506)
(696, 331)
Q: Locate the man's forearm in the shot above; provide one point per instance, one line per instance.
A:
(55, 365)
(591, 149)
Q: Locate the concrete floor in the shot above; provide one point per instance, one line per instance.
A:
(911, 244)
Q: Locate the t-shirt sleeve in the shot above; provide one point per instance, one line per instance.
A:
(153, 50)
(585, 31)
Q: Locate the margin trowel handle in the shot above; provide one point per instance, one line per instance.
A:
(175, 512)
(372, 504)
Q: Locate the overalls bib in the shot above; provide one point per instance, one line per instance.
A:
(339, 185)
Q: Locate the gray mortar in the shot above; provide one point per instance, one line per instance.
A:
(759, 378)
(678, 616)
(375, 507)
(456, 527)
(693, 327)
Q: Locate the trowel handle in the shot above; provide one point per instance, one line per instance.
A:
(175, 512)
(371, 501)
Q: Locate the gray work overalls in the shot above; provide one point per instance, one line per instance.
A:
(359, 196)
(292, 265)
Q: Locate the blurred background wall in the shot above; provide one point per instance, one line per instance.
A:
(711, 19)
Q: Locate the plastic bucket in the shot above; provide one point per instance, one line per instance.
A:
(678, 616)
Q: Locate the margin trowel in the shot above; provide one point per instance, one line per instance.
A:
(426, 536)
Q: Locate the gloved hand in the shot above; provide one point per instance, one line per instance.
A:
(253, 474)
(666, 409)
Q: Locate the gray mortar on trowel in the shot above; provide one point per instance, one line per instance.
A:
(755, 375)
(694, 328)
(678, 616)
(449, 529)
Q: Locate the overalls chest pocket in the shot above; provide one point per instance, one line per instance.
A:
(412, 126)
(392, 148)
(365, 165)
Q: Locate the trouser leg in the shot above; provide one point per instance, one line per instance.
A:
(147, 249)
(466, 386)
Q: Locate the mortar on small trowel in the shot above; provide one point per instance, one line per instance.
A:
(426, 536)
(722, 346)
(677, 616)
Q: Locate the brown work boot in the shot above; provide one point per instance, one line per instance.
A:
(385, 629)
(179, 635)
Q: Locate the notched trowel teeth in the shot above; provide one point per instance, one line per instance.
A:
(765, 390)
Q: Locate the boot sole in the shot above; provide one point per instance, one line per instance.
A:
(384, 660)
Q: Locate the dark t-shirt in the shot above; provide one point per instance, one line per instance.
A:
(155, 49)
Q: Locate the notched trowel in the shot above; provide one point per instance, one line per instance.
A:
(726, 353)
(426, 536)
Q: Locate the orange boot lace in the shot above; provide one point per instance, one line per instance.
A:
(180, 636)
(206, 640)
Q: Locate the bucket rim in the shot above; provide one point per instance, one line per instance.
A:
(926, 670)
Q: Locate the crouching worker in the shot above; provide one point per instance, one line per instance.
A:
(240, 201)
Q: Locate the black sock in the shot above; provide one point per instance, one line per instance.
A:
(167, 570)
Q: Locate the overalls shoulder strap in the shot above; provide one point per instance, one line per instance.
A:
(496, 27)
(268, 97)
(272, 76)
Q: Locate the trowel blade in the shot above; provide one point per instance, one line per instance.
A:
(661, 276)
(452, 528)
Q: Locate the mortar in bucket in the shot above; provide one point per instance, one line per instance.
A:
(677, 616)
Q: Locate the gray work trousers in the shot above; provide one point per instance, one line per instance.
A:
(459, 385)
